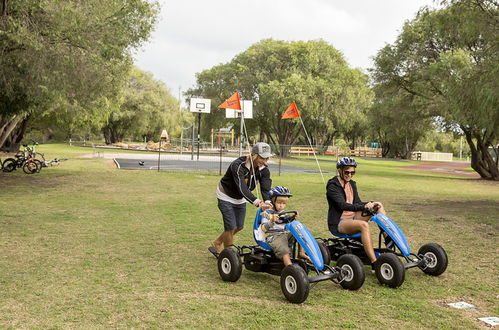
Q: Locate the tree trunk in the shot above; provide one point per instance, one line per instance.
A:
(327, 142)
(352, 143)
(481, 160)
(7, 126)
(3, 10)
(12, 142)
(109, 135)
(385, 152)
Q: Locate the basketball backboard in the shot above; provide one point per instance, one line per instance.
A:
(200, 105)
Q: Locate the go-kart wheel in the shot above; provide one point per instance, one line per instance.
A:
(294, 284)
(229, 265)
(389, 270)
(352, 270)
(435, 257)
(326, 257)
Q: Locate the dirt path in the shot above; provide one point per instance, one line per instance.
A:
(454, 168)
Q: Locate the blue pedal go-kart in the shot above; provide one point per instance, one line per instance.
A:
(389, 269)
(295, 279)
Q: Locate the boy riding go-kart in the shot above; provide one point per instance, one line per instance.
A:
(295, 278)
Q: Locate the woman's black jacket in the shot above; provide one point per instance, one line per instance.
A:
(336, 198)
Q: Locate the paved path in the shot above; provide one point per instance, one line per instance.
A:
(177, 162)
(202, 164)
(154, 156)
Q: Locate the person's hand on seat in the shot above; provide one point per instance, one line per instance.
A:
(264, 206)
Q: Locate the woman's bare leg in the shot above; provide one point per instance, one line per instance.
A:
(226, 238)
(303, 255)
(351, 227)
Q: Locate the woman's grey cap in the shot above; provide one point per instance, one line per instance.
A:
(262, 149)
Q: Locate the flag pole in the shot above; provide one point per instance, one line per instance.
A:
(228, 104)
(313, 151)
(251, 159)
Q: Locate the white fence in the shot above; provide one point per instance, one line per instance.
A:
(440, 156)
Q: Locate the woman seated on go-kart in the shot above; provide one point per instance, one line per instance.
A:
(345, 207)
(278, 237)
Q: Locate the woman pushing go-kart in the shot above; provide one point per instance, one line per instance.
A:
(234, 190)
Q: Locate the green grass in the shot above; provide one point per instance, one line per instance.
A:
(87, 246)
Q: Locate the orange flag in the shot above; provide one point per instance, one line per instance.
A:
(233, 102)
(291, 112)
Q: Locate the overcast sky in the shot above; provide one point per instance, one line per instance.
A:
(194, 35)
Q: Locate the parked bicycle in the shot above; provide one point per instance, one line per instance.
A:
(28, 161)
(22, 159)
(43, 161)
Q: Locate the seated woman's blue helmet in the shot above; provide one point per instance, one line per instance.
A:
(280, 191)
(346, 161)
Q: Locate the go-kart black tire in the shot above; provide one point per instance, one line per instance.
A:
(437, 259)
(326, 257)
(9, 165)
(294, 284)
(389, 270)
(353, 269)
(229, 265)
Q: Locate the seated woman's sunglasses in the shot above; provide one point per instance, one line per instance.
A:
(349, 172)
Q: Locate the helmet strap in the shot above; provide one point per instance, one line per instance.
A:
(273, 200)
(340, 173)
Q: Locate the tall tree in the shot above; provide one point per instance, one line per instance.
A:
(77, 52)
(398, 120)
(144, 108)
(448, 59)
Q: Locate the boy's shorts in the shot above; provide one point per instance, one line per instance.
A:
(280, 243)
(233, 214)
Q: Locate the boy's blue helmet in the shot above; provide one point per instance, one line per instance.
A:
(346, 161)
(280, 191)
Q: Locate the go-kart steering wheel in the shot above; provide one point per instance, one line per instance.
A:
(370, 212)
(287, 216)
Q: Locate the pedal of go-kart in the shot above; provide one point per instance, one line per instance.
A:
(347, 236)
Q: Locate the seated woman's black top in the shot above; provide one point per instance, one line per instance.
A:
(336, 198)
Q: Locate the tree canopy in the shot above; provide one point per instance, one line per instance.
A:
(65, 57)
(143, 109)
(446, 62)
(273, 73)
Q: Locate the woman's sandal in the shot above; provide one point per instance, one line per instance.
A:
(213, 251)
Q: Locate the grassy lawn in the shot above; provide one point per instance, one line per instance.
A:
(85, 245)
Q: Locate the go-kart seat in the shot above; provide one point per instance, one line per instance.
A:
(346, 235)
(258, 233)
